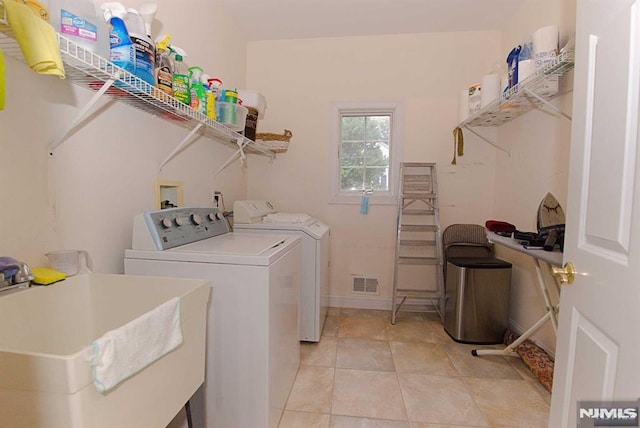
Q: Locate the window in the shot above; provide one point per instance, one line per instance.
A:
(366, 141)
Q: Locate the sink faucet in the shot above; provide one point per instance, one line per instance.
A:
(22, 279)
(24, 275)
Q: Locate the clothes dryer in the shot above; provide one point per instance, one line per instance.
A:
(257, 216)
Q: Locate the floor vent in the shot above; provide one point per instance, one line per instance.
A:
(365, 285)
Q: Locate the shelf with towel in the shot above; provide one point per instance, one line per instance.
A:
(536, 91)
(86, 69)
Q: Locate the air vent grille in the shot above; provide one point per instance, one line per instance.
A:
(365, 285)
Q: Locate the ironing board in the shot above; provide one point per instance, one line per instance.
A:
(550, 258)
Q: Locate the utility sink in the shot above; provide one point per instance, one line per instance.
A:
(45, 343)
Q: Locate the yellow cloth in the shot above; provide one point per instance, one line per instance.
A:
(37, 39)
(1, 81)
(458, 142)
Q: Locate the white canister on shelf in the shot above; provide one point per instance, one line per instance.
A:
(475, 98)
(490, 89)
(545, 51)
(525, 69)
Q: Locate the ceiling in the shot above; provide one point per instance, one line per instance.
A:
(299, 19)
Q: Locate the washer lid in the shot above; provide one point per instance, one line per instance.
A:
(234, 243)
(231, 248)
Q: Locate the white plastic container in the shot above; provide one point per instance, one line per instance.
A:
(81, 21)
(234, 116)
(253, 99)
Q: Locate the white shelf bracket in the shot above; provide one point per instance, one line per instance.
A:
(482, 137)
(184, 143)
(547, 104)
(239, 152)
(80, 116)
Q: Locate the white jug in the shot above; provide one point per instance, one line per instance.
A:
(68, 261)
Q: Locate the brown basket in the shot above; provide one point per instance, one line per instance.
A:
(277, 143)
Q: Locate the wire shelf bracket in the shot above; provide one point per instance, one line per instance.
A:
(487, 140)
(61, 138)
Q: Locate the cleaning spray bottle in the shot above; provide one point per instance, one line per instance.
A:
(198, 95)
(164, 65)
(122, 51)
(211, 97)
(181, 90)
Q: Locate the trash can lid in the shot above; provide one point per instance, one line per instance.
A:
(479, 262)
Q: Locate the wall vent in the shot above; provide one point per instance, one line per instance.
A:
(365, 285)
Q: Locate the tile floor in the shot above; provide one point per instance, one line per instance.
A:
(365, 373)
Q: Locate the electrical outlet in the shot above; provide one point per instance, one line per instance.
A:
(217, 197)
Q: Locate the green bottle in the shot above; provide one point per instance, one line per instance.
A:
(181, 90)
(198, 94)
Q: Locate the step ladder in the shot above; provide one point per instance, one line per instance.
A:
(418, 278)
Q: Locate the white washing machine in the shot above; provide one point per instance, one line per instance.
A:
(261, 216)
(253, 351)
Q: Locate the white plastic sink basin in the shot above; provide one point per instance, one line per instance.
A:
(45, 332)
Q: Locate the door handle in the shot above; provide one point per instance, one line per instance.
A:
(565, 274)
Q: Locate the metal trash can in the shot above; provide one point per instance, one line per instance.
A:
(477, 292)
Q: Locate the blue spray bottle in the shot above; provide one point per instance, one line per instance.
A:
(123, 53)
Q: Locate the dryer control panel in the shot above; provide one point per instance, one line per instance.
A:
(169, 228)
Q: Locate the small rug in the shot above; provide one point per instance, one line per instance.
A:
(535, 358)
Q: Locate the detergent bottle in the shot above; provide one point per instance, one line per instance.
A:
(164, 66)
(181, 90)
(144, 47)
(82, 21)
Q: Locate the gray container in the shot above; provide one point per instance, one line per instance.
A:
(477, 292)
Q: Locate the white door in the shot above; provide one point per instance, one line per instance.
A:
(598, 351)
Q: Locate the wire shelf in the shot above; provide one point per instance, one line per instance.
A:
(534, 92)
(86, 69)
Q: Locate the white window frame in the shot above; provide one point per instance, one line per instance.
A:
(396, 110)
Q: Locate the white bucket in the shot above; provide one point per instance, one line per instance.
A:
(68, 261)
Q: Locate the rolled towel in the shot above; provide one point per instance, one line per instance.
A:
(123, 352)
(36, 38)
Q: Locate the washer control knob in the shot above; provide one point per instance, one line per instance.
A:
(196, 219)
(219, 216)
(166, 223)
(179, 221)
(212, 216)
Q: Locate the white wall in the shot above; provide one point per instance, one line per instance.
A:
(539, 162)
(301, 79)
(87, 194)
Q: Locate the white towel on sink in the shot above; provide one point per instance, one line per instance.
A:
(125, 351)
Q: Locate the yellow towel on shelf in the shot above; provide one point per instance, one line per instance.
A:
(1, 81)
(458, 143)
(36, 38)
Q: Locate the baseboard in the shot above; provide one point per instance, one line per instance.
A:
(364, 302)
(360, 302)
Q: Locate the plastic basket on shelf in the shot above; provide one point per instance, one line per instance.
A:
(277, 143)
